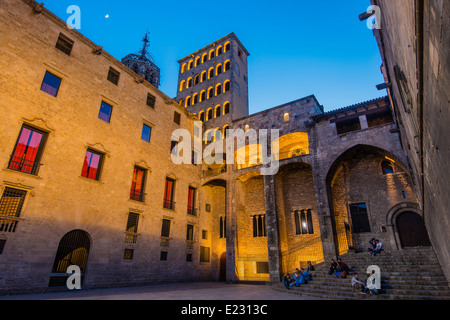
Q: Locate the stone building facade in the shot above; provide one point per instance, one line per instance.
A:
(87, 175)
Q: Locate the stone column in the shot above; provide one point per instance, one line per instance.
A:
(231, 216)
(273, 240)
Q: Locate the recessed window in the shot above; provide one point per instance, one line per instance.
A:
(11, 203)
(169, 193)
(165, 230)
(262, 267)
(177, 118)
(303, 222)
(286, 117)
(259, 225)
(28, 151)
(387, 167)
(51, 84)
(360, 220)
(2, 245)
(348, 125)
(128, 254)
(92, 165)
(138, 184)
(204, 234)
(151, 99)
(64, 44)
(105, 112)
(204, 254)
(190, 232)
(222, 227)
(191, 201)
(146, 133)
(113, 76)
(189, 257)
(163, 256)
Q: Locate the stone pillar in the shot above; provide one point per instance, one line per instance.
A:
(273, 241)
(231, 224)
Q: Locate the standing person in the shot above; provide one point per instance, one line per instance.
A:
(357, 284)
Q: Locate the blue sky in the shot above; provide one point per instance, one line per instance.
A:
(297, 48)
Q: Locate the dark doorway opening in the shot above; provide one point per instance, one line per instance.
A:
(412, 231)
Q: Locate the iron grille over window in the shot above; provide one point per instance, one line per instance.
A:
(133, 221)
(151, 99)
(64, 44)
(11, 202)
(113, 76)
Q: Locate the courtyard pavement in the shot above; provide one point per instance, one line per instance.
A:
(173, 291)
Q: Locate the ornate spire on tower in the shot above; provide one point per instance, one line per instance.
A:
(143, 63)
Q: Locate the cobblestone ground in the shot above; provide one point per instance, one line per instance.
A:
(182, 291)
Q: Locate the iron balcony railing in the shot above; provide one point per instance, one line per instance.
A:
(23, 165)
(192, 211)
(137, 195)
(169, 204)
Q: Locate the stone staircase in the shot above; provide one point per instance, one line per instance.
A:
(409, 274)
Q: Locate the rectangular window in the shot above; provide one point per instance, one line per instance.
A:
(177, 118)
(262, 267)
(64, 44)
(190, 232)
(204, 254)
(379, 118)
(28, 151)
(132, 223)
(360, 219)
(105, 112)
(163, 256)
(51, 84)
(138, 184)
(151, 99)
(128, 254)
(191, 201)
(348, 125)
(165, 230)
(11, 202)
(2, 245)
(146, 133)
(113, 76)
(189, 257)
(169, 194)
(204, 234)
(174, 147)
(92, 165)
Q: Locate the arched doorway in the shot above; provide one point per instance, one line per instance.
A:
(223, 267)
(412, 231)
(73, 249)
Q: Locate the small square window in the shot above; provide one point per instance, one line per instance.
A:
(208, 208)
(177, 118)
(189, 257)
(128, 254)
(113, 76)
(105, 112)
(151, 99)
(163, 256)
(64, 44)
(146, 133)
(51, 84)
(11, 203)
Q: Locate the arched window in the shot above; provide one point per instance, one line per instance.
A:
(197, 61)
(226, 65)
(217, 134)
(189, 83)
(227, 86)
(286, 117)
(227, 46)
(217, 112)
(209, 114)
(218, 69)
(212, 54)
(196, 79)
(219, 50)
(210, 73)
(188, 102)
(387, 167)
(182, 84)
(225, 131)
(247, 127)
(226, 108)
(218, 89)
(201, 116)
(203, 76)
(209, 135)
(210, 92)
(202, 95)
(204, 57)
(181, 102)
(183, 68)
(195, 98)
(191, 63)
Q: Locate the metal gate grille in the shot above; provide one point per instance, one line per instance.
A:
(73, 249)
